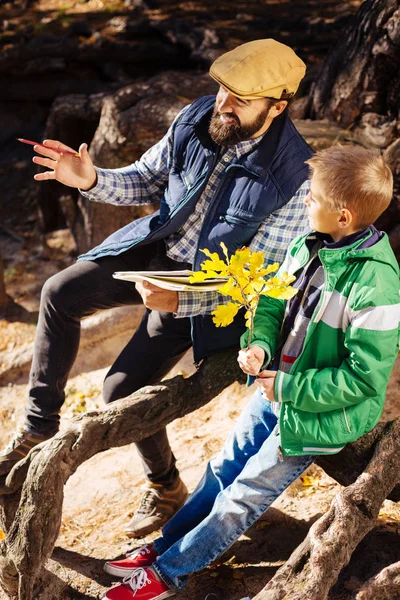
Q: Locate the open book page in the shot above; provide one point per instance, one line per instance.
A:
(171, 280)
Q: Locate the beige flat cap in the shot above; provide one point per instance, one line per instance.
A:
(259, 69)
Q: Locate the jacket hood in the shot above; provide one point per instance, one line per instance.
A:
(380, 251)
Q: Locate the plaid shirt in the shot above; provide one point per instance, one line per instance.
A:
(144, 182)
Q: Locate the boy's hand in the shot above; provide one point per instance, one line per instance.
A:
(251, 360)
(266, 380)
(76, 172)
(157, 298)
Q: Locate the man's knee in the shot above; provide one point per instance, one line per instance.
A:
(117, 386)
(63, 291)
(52, 291)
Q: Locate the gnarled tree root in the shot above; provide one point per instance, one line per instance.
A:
(31, 505)
(314, 566)
(382, 586)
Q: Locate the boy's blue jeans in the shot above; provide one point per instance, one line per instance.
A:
(236, 489)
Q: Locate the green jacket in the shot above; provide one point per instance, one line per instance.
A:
(335, 390)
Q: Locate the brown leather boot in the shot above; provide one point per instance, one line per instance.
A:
(157, 506)
(20, 445)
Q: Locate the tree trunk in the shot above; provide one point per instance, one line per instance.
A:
(361, 75)
(3, 294)
(359, 87)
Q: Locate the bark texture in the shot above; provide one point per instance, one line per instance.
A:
(315, 565)
(361, 75)
(383, 586)
(359, 86)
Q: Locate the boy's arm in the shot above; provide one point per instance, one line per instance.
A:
(372, 341)
(267, 326)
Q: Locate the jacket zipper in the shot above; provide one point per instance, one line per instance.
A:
(318, 308)
(300, 307)
(213, 202)
(190, 192)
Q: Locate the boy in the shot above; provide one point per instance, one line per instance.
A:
(334, 345)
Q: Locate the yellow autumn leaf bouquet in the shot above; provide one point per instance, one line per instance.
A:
(245, 281)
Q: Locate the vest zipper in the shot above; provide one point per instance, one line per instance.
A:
(189, 193)
(210, 205)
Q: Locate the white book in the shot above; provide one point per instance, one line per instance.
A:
(177, 281)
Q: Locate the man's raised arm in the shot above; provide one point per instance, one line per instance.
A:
(142, 182)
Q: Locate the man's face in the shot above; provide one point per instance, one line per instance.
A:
(235, 120)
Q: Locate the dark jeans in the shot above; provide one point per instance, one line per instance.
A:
(156, 346)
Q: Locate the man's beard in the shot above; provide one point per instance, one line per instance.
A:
(230, 135)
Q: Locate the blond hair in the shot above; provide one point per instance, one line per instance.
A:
(355, 178)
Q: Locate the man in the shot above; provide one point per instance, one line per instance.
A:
(229, 169)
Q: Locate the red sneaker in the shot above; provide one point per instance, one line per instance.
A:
(141, 557)
(143, 584)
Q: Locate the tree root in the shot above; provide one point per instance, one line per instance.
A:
(31, 504)
(384, 586)
(315, 565)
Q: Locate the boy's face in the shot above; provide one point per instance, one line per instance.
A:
(320, 216)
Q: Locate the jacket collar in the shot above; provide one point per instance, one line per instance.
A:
(359, 250)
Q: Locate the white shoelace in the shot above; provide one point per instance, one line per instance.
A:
(137, 580)
(143, 550)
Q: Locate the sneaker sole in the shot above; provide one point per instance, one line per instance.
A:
(120, 571)
(160, 597)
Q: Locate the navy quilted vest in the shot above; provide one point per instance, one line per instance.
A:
(254, 186)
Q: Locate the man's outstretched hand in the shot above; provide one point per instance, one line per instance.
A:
(73, 171)
(157, 298)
